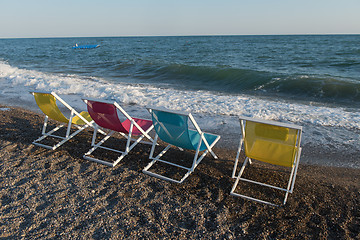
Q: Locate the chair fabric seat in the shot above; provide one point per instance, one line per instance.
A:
(195, 137)
(78, 121)
(47, 104)
(143, 123)
(271, 144)
(271, 152)
(105, 115)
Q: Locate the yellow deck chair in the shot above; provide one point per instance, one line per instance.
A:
(47, 104)
(270, 142)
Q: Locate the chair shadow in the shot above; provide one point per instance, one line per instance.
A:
(19, 130)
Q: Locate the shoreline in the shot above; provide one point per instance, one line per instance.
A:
(53, 194)
(316, 152)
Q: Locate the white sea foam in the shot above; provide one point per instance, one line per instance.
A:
(16, 83)
(217, 111)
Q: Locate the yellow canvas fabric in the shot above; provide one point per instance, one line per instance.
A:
(47, 104)
(272, 132)
(271, 144)
(78, 121)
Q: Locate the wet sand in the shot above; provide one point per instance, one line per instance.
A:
(59, 195)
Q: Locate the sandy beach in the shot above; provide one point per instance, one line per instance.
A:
(58, 195)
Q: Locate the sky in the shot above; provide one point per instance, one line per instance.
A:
(95, 18)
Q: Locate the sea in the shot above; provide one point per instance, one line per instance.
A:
(308, 80)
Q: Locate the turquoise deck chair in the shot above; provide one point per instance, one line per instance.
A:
(172, 127)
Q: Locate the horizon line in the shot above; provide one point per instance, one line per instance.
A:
(194, 35)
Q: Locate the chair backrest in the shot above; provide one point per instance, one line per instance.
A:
(105, 115)
(271, 143)
(172, 128)
(47, 104)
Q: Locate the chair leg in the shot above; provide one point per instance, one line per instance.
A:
(239, 175)
(153, 146)
(238, 178)
(209, 149)
(237, 158)
(292, 177)
(97, 145)
(70, 136)
(45, 125)
(195, 163)
(287, 190)
(50, 134)
(128, 146)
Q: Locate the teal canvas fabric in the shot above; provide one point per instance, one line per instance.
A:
(195, 137)
(173, 129)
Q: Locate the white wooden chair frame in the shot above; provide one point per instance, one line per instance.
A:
(196, 159)
(291, 182)
(129, 138)
(67, 136)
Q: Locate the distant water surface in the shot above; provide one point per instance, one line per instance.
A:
(323, 68)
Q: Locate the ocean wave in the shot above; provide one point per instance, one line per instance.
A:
(239, 81)
(228, 80)
(15, 83)
(317, 88)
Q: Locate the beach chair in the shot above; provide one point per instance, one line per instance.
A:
(47, 104)
(105, 115)
(172, 128)
(270, 142)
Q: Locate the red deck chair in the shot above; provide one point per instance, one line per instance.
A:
(105, 115)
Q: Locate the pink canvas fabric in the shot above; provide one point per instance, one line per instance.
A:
(105, 115)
